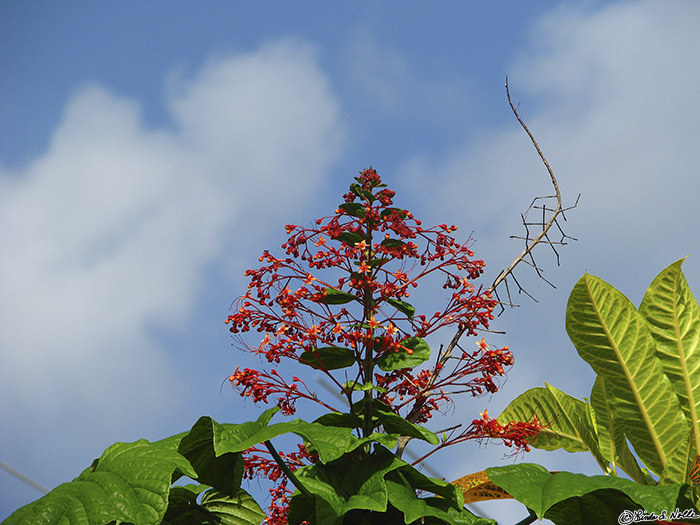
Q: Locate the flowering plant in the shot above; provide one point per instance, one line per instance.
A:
(337, 303)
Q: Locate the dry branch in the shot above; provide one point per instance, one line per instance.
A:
(526, 256)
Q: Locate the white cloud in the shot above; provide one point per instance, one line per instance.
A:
(108, 233)
(609, 94)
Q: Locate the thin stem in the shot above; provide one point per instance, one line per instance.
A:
(287, 471)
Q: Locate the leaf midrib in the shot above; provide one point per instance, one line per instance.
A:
(684, 365)
(635, 392)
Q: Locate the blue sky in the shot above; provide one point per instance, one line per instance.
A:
(150, 151)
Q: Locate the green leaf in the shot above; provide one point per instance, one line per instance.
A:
(402, 359)
(387, 211)
(557, 496)
(183, 507)
(350, 238)
(362, 193)
(392, 243)
(221, 471)
(613, 338)
(357, 482)
(238, 509)
(130, 482)
(395, 424)
(561, 415)
(329, 442)
(328, 358)
(611, 438)
(353, 385)
(402, 495)
(333, 296)
(407, 309)
(355, 209)
(673, 317)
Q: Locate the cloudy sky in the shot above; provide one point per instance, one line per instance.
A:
(150, 151)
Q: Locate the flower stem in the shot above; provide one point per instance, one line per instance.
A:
(287, 471)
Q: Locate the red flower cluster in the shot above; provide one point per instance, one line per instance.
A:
(375, 254)
(257, 465)
(515, 433)
(339, 298)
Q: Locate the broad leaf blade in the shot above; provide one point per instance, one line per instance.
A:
(673, 317)
(333, 296)
(611, 438)
(328, 358)
(405, 308)
(223, 472)
(559, 414)
(130, 482)
(547, 493)
(613, 338)
(414, 352)
(238, 509)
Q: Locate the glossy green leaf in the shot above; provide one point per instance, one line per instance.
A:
(392, 243)
(557, 496)
(395, 424)
(350, 386)
(333, 296)
(362, 193)
(405, 308)
(329, 442)
(673, 317)
(387, 211)
(561, 414)
(183, 507)
(328, 358)
(356, 209)
(611, 438)
(402, 495)
(130, 482)
(238, 509)
(221, 471)
(613, 338)
(350, 238)
(356, 482)
(420, 352)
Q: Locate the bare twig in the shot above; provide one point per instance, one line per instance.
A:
(531, 242)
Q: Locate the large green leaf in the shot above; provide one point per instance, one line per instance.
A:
(673, 317)
(419, 353)
(613, 338)
(238, 509)
(361, 482)
(560, 413)
(571, 499)
(328, 442)
(402, 495)
(402, 306)
(611, 438)
(130, 483)
(328, 358)
(215, 507)
(224, 471)
(395, 424)
(333, 296)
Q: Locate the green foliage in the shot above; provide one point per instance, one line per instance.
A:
(647, 393)
(133, 482)
(570, 499)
